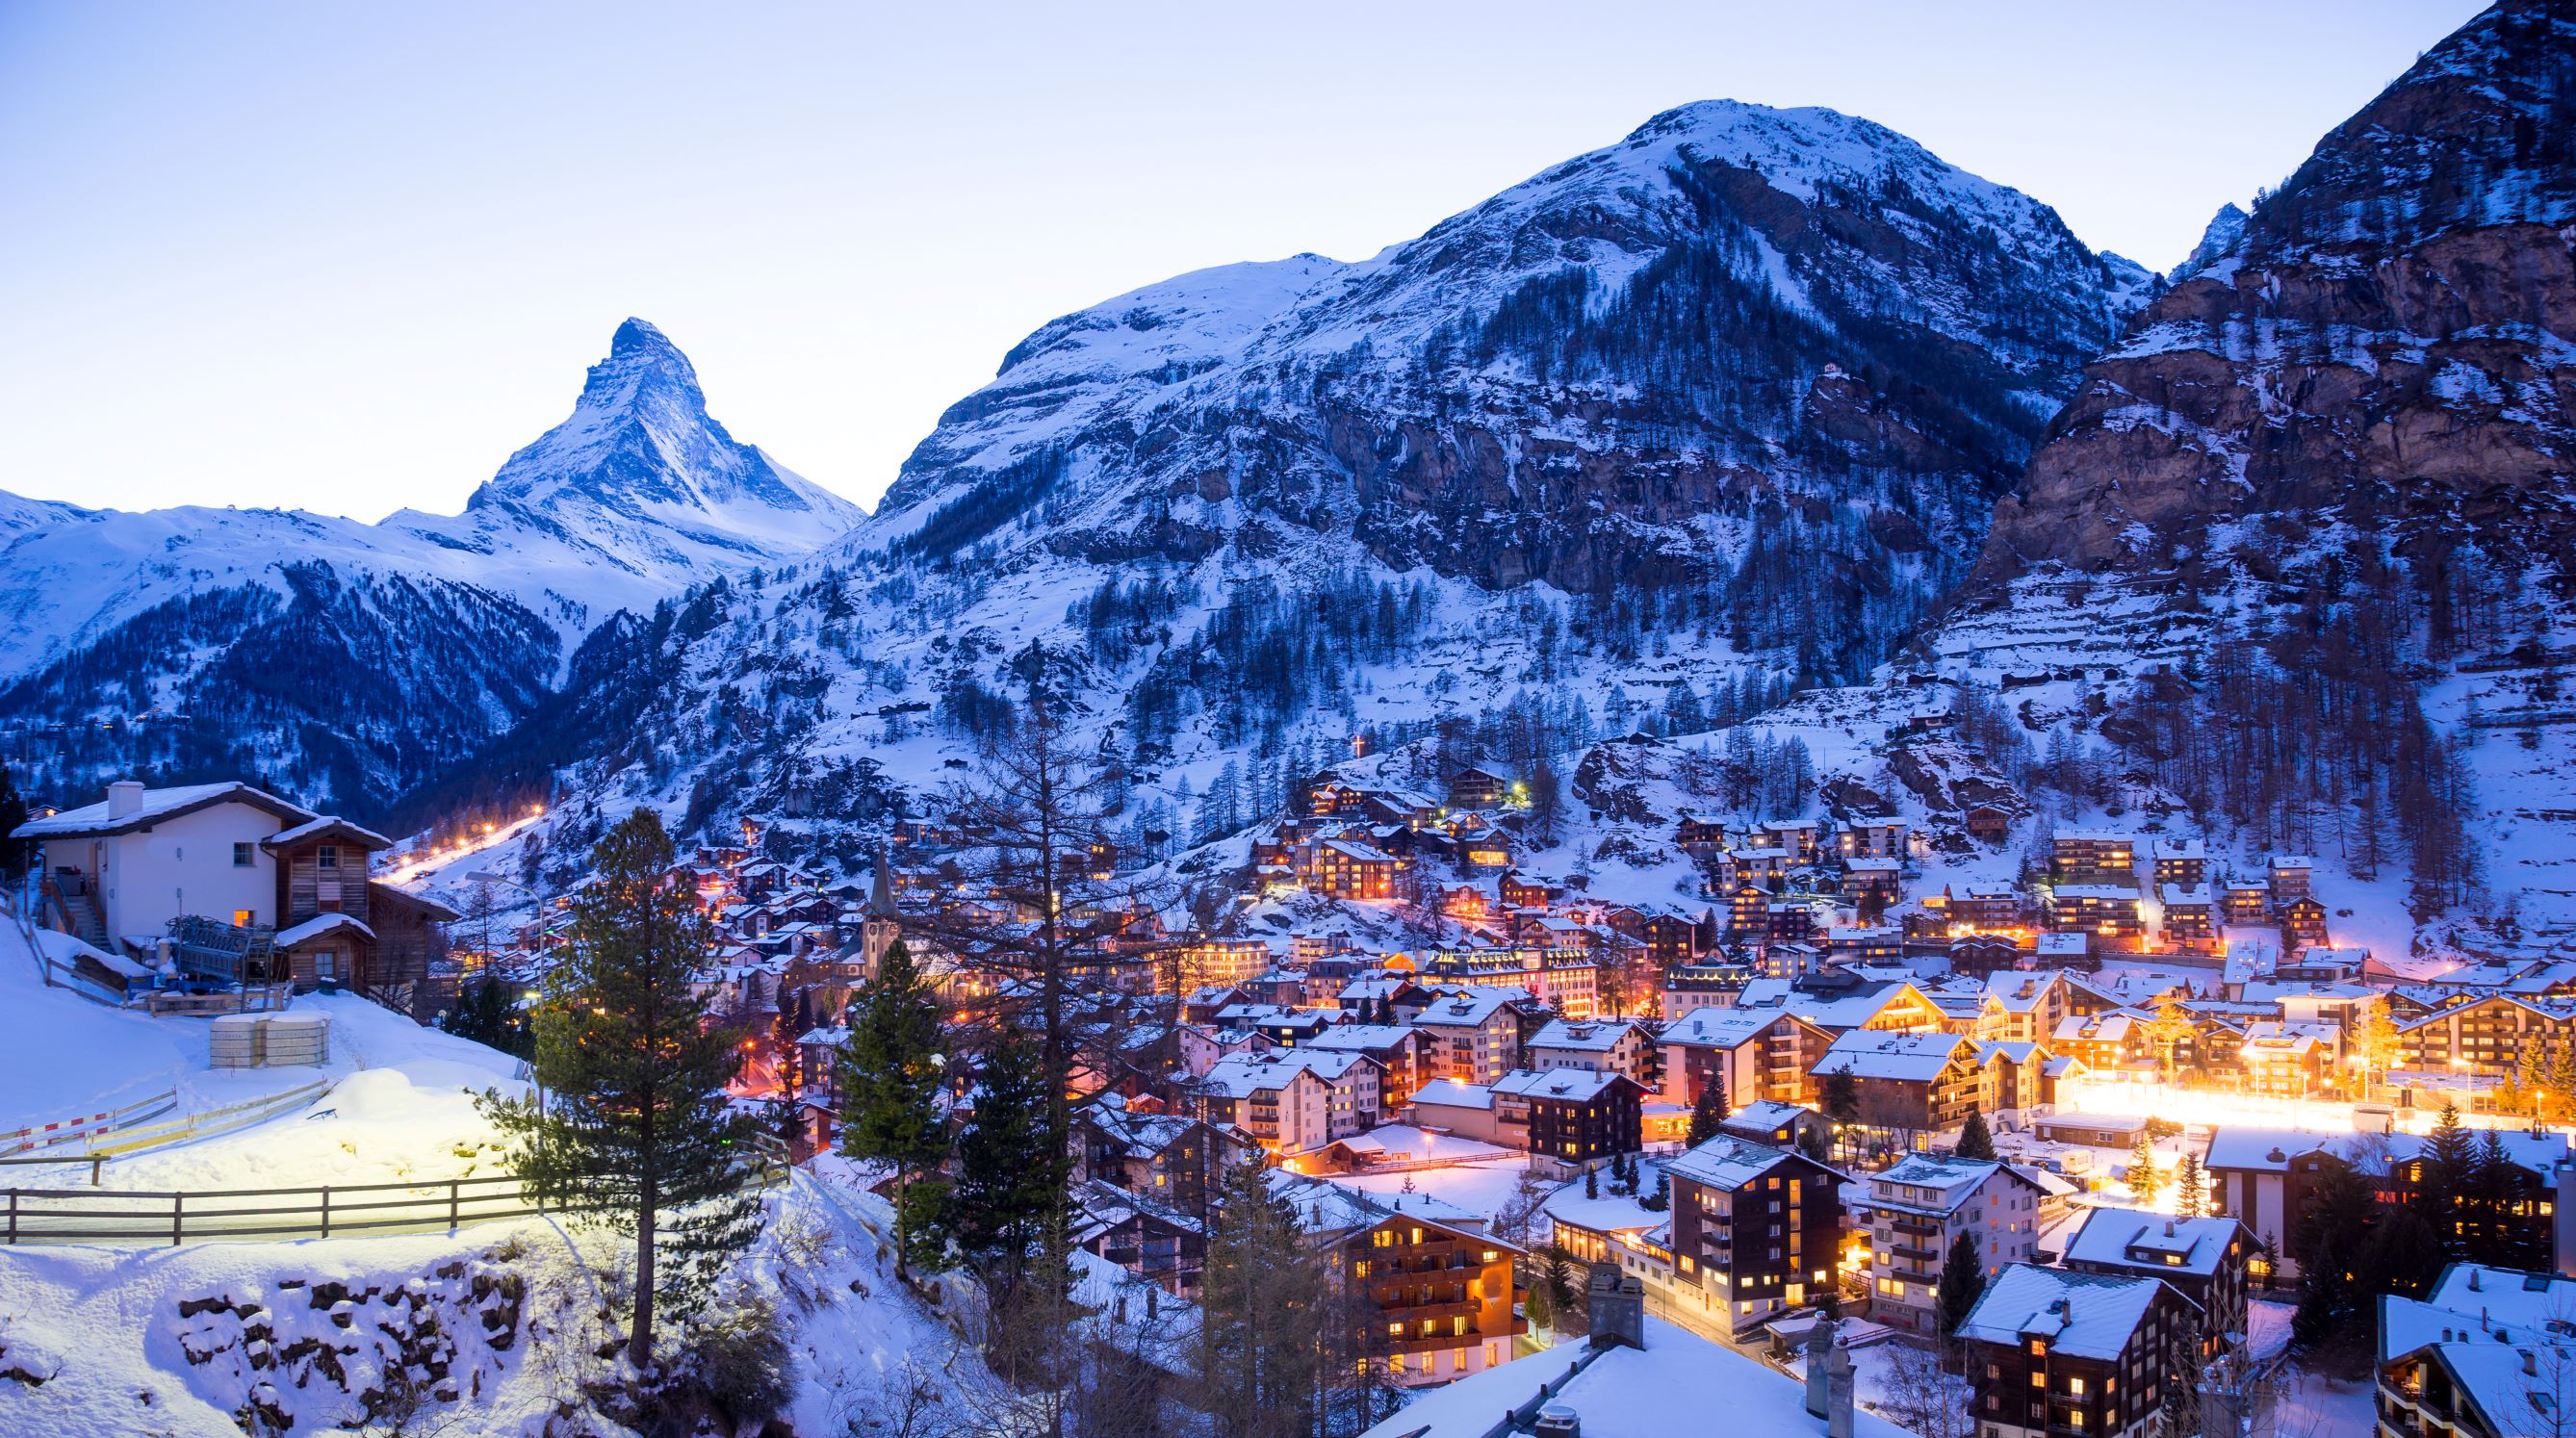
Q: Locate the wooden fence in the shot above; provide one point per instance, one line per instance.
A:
(279, 1215)
(248, 999)
(83, 1215)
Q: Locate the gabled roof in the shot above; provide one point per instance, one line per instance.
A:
(328, 826)
(1874, 1053)
(1727, 1162)
(1560, 1085)
(2136, 1238)
(2079, 1315)
(1583, 1035)
(320, 925)
(91, 820)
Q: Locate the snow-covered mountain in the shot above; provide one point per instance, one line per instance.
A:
(1737, 332)
(1646, 440)
(2294, 564)
(347, 660)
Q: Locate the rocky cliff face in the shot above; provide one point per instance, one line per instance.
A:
(1737, 333)
(2387, 335)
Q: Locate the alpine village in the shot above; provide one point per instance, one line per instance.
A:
(1743, 791)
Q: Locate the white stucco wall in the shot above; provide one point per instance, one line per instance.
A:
(181, 865)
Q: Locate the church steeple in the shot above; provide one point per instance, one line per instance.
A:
(881, 890)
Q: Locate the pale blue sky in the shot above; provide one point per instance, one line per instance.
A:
(348, 257)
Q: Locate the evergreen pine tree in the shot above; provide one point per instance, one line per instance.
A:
(1557, 1269)
(1975, 1140)
(890, 1113)
(2449, 1164)
(638, 1135)
(1010, 1188)
(1591, 1183)
(1963, 1278)
(1261, 1300)
(2191, 1187)
(2144, 1180)
(1708, 1111)
(15, 854)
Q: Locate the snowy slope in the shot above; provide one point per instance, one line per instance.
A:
(346, 660)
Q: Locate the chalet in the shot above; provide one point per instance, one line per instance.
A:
(122, 873)
(1754, 1230)
(2291, 878)
(1440, 1295)
(2288, 1060)
(1475, 1036)
(1402, 1052)
(2303, 923)
(2053, 1352)
(1519, 893)
(2111, 1042)
(1880, 836)
(1795, 838)
(2093, 856)
(2105, 911)
(1748, 909)
(2023, 1007)
(1988, 823)
(1677, 938)
(1171, 1158)
(1697, 833)
(1864, 943)
(1606, 1045)
(1919, 1207)
(1347, 869)
(2486, 1352)
(1293, 1102)
(2205, 1259)
(1789, 922)
(1987, 909)
(1908, 1084)
(1873, 884)
(2245, 901)
(2184, 862)
(1576, 1116)
(1781, 1125)
(2486, 1036)
(1154, 1240)
(1476, 787)
(1750, 1054)
(2190, 919)
(1984, 955)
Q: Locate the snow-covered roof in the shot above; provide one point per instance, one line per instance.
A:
(1450, 1093)
(2136, 1238)
(315, 828)
(1361, 1037)
(1470, 1009)
(1876, 1053)
(1583, 1035)
(1767, 1116)
(1955, 1179)
(1726, 1162)
(1567, 1085)
(1656, 1391)
(156, 805)
(2079, 1315)
(1720, 1028)
(320, 925)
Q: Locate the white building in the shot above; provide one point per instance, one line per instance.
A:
(1917, 1210)
(123, 868)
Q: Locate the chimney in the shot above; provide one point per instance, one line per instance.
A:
(124, 797)
(1617, 1307)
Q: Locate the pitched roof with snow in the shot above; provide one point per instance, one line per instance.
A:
(1727, 1162)
(1876, 1053)
(2079, 1315)
(1560, 1085)
(91, 820)
(1583, 1035)
(1720, 1028)
(320, 925)
(2136, 1238)
(1449, 1093)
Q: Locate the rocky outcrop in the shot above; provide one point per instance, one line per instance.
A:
(2389, 337)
